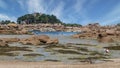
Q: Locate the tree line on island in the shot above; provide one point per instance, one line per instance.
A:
(39, 18)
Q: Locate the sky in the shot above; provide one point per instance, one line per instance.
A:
(105, 12)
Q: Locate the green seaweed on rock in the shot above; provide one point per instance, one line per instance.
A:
(33, 54)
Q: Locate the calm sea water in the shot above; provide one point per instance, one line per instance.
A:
(54, 33)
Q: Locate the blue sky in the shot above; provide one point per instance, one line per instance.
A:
(106, 12)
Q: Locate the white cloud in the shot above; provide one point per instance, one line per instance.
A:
(5, 17)
(3, 4)
(21, 3)
(35, 6)
(58, 11)
(112, 17)
(82, 7)
(79, 5)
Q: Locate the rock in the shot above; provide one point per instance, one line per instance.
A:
(7, 32)
(3, 44)
(37, 40)
(104, 39)
(31, 42)
(52, 41)
(118, 33)
(8, 40)
(24, 41)
(75, 36)
(43, 38)
(24, 31)
(110, 32)
(86, 29)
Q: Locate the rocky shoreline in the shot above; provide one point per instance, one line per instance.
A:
(33, 40)
(80, 48)
(100, 33)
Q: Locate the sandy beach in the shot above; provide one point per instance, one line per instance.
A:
(15, 64)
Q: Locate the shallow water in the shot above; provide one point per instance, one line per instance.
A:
(50, 54)
(54, 33)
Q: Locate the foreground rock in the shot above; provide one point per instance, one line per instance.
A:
(4, 41)
(52, 41)
(37, 40)
(33, 40)
(3, 44)
(9, 40)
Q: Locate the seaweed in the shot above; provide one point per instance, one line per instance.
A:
(33, 54)
(113, 47)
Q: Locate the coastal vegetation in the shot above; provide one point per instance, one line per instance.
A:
(118, 24)
(37, 18)
(6, 22)
(72, 24)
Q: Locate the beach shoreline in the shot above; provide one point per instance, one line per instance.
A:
(19, 64)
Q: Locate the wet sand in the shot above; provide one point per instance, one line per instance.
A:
(16, 64)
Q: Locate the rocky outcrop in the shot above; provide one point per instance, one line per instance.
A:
(9, 40)
(40, 39)
(3, 44)
(23, 31)
(7, 31)
(92, 31)
(102, 38)
(76, 36)
(52, 41)
(30, 42)
(110, 32)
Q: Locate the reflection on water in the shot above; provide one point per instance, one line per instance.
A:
(54, 33)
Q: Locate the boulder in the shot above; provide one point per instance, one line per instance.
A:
(24, 31)
(30, 42)
(8, 40)
(75, 36)
(42, 38)
(118, 33)
(3, 44)
(52, 41)
(110, 32)
(37, 40)
(104, 38)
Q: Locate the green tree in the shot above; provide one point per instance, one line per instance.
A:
(118, 24)
(38, 18)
